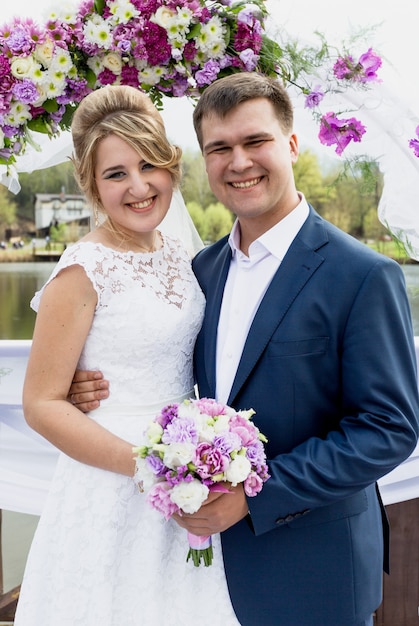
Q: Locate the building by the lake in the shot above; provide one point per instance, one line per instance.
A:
(52, 209)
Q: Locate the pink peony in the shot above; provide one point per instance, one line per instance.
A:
(252, 484)
(159, 498)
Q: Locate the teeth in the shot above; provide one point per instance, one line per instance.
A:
(141, 205)
(246, 184)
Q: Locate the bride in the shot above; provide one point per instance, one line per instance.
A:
(122, 300)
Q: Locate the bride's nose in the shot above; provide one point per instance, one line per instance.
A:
(138, 184)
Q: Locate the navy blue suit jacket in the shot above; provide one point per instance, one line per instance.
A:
(329, 367)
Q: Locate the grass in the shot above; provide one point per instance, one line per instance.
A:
(392, 249)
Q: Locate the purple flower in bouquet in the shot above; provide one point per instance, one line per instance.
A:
(227, 442)
(181, 430)
(252, 484)
(339, 131)
(256, 454)
(159, 498)
(156, 465)
(167, 415)
(244, 429)
(208, 406)
(209, 461)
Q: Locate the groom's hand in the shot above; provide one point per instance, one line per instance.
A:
(87, 390)
(218, 512)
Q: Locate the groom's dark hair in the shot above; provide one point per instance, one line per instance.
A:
(226, 93)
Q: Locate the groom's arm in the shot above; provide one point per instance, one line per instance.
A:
(87, 390)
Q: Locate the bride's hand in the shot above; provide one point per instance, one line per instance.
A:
(87, 389)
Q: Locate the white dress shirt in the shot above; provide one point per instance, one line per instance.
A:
(247, 282)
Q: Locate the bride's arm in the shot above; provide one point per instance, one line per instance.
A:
(63, 321)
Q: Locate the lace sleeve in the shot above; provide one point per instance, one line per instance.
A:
(79, 254)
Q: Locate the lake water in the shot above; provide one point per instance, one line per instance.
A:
(18, 283)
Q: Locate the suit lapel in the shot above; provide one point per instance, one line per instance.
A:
(212, 313)
(296, 269)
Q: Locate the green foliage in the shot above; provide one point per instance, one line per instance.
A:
(58, 232)
(303, 61)
(309, 179)
(7, 209)
(218, 222)
(197, 214)
(211, 223)
(356, 196)
(195, 186)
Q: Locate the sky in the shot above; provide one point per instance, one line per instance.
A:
(393, 38)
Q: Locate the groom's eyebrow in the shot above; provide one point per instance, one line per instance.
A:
(220, 143)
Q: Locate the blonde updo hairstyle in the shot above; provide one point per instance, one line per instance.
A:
(127, 113)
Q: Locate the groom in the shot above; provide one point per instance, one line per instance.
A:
(312, 330)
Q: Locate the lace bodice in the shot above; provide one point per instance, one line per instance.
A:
(149, 311)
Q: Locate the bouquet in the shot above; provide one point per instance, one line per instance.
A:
(194, 448)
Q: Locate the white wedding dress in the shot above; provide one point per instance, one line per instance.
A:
(101, 555)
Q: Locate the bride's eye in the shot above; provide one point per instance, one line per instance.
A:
(114, 175)
(147, 166)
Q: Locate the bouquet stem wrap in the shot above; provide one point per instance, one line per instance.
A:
(200, 549)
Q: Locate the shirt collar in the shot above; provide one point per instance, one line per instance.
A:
(277, 239)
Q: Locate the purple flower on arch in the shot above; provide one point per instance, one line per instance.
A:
(314, 98)
(362, 71)
(339, 131)
(249, 59)
(25, 91)
(370, 63)
(208, 73)
(414, 143)
(106, 77)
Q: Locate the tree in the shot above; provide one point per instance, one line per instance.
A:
(357, 194)
(309, 180)
(197, 214)
(58, 232)
(218, 222)
(195, 186)
(8, 210)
